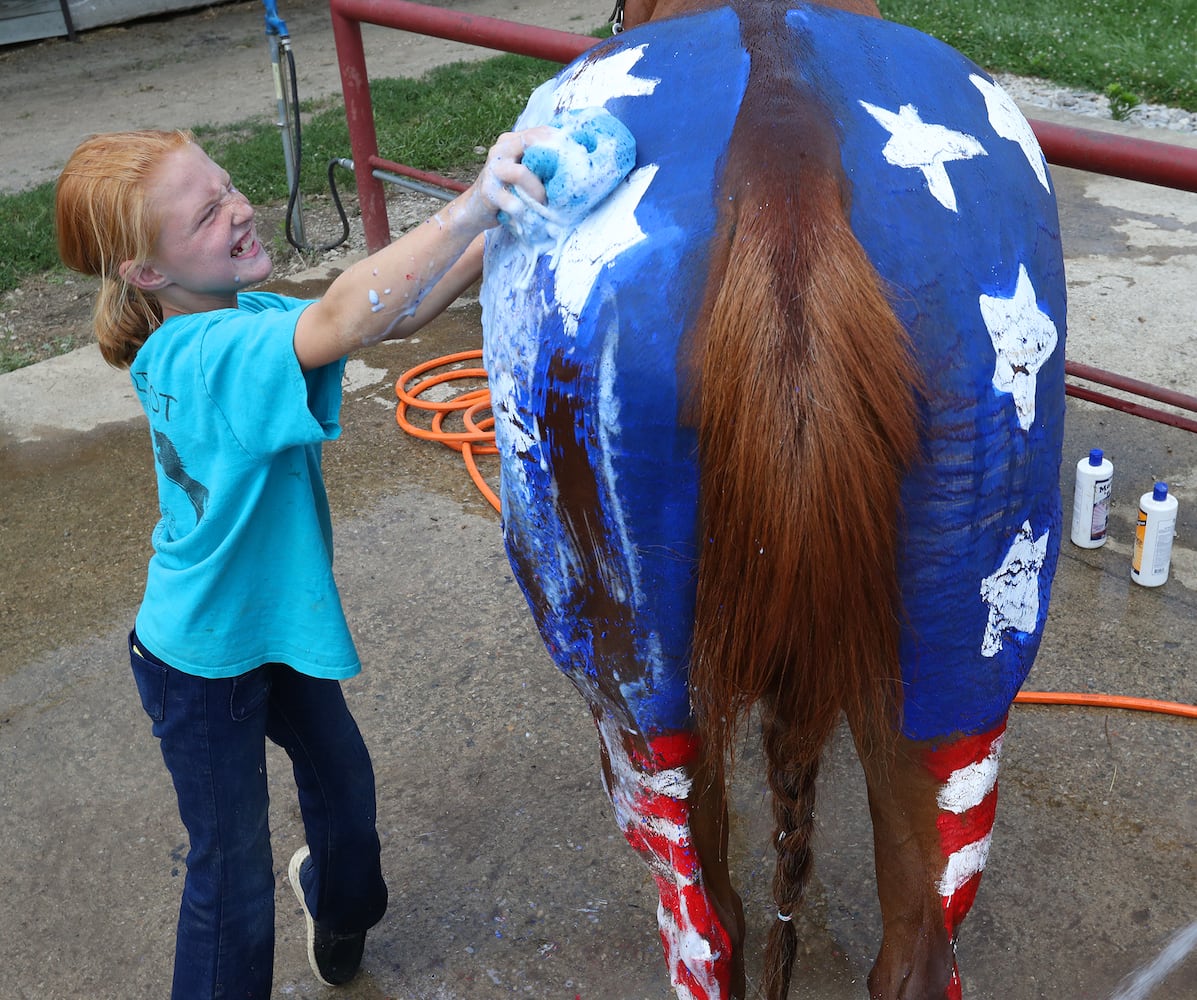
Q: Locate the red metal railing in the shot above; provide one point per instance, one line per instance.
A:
(1134, 159)
(487, 32)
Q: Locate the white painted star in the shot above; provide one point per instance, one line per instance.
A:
(593, 84)
(588, 85)
(1012, 592)
(578, 256)
(1024, 337)
(1009, 123)
(918, 145)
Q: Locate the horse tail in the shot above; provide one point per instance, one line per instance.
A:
(791, 779)
(804, 390)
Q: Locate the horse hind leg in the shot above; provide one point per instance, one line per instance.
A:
(672, 809)
(932, 807)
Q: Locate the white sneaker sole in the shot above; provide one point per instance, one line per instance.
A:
(297, 860)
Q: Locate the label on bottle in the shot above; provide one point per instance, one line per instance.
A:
(1140, 538)
(1163, 546)
(1102, 489)
(1153, 547)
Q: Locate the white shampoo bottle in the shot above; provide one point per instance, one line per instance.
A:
(1153, 537)
(1091, 500)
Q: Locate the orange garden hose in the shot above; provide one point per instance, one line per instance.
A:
(1106, 701)
(478, 438)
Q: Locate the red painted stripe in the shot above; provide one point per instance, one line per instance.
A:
(943, 761)
(670, 750)
(956, 906)
(959, 829)
(663, 807)
(677, 858)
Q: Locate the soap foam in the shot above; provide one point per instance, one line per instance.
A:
(586, 157)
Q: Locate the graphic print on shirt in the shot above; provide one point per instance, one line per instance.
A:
(172, 467)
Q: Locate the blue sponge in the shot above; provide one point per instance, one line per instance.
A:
(590, 154)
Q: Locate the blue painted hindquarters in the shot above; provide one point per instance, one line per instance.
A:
(599, 483)
(984, 475)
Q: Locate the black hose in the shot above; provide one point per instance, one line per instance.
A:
(297, 159)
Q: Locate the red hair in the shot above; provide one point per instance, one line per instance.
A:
(103, 219)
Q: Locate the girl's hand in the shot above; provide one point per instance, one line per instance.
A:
(504, 183)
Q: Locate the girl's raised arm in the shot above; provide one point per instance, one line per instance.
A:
(395, 291)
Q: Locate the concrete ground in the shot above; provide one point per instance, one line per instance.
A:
(507, 874)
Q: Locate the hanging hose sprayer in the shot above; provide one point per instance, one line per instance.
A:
(286, 95)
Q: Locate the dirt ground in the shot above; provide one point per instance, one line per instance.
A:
(210, 66)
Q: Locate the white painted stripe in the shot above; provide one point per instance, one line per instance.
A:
(673, 832)
(967, 787)
(673, 783)
(963, 865)
(630, 782)
(1142, 982)
(687, 946)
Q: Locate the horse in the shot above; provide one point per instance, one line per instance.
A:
(780, 427)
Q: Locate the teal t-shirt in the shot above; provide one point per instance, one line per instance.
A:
(242, 568)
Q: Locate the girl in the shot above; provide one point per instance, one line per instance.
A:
(241, 636)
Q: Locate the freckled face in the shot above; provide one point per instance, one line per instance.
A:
(208, 246)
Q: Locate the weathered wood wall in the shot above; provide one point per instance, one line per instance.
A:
(30, 20)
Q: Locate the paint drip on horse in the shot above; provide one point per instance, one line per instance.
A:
(780, 424)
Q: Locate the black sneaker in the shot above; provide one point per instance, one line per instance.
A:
(335, 958)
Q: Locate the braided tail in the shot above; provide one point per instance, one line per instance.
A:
(794, 818)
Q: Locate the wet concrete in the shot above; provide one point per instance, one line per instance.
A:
(507, 874)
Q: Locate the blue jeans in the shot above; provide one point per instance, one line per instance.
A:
(213, 736)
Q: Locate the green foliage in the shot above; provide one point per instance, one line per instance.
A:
(1146, 46)
(479, 99)
(438, 122)
(26, 234)
(18, 356)
(1122, 101)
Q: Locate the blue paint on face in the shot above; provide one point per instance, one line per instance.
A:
(599, 476)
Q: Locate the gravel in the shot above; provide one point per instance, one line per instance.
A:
(1030, 91)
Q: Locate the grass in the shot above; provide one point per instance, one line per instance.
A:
(1132, 50)
(26, 235)
(441, 122)
(1143, 47)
